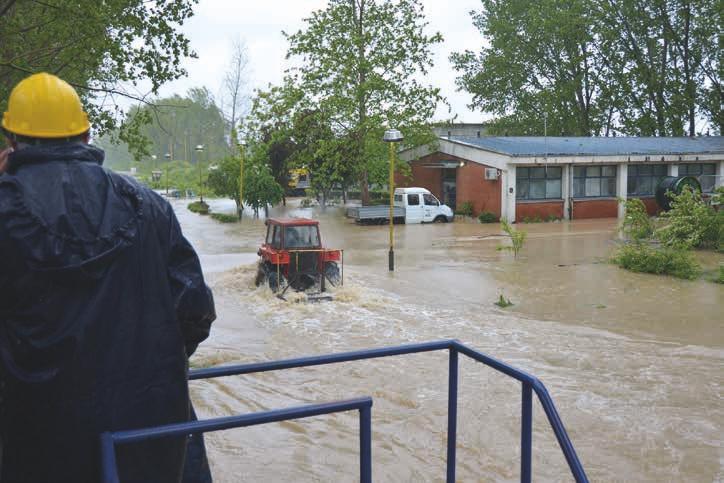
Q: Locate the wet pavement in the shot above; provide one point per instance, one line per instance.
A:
(633, 361)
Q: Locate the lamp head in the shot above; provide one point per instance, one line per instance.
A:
(392, 136)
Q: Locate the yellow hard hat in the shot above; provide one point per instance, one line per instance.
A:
(45, 106)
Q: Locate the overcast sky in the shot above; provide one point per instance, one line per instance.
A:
(259, 24)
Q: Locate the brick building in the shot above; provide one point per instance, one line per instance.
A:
(565, 177)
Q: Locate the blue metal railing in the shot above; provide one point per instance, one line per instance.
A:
(529, 383)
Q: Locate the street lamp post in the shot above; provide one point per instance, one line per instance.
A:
(392, 136)
(242, 146)
(199, 150)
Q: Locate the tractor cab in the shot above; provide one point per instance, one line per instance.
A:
(292, 255)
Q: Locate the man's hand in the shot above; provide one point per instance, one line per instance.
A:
(4, 159)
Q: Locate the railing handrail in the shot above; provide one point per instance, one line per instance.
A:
(529, 382)
(362, 404)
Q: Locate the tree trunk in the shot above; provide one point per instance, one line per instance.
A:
(364, 189)
(362, 104)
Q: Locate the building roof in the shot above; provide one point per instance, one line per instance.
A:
(525, 146)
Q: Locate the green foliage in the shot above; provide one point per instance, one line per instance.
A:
(533, 219)
(720, 276)
(691, 223)
(359, 65)
(552, 218)
(636, 67)
(199, 207)
(640, 257)
(517, 238)
(99, 47)
(224, 218)
(466, 209)
(260, 187)
(637, 224)
(503, 302)
(487, 217)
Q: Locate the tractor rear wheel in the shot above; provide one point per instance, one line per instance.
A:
(331, 271)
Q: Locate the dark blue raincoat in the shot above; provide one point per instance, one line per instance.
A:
(102, 300)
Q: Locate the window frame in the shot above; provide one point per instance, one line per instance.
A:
(656, 178)
(700, 174)
(419, 201)
(600, 177)
(546, 177)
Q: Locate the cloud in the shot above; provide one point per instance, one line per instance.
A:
(217, 23)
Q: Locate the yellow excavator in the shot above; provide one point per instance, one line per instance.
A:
(298, 181)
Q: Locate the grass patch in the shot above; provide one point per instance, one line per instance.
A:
(224, 218)
(199, 207)
(466, 209)
(643, 258)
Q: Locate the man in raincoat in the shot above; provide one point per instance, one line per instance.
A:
(102, 301)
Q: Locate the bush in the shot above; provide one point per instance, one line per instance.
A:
(691, 223)
(720, 277)
(487, 217)
(639, 257)
(637, 224)
(199, 207)
(224, 218)
(466, 209)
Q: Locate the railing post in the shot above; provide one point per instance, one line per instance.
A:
(109, 467)
(526, 433)
(365, 444)
(452, 414)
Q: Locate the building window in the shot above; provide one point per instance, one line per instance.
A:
(644, 178)
(538, 183)
(704, 172)
(594, 181)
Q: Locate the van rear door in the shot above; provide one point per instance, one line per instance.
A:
(414, 211)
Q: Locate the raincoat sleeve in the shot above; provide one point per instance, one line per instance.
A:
(193, 300)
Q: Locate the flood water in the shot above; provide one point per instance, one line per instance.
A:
(634, 362)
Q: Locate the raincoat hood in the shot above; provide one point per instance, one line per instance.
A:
(77, 229)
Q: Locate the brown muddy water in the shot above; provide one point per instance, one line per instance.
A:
(634, 363)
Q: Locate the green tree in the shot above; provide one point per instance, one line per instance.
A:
(540, 60)
(260, 187)
(100, 48)
(176, 126)
(359, 64)
(640, 67)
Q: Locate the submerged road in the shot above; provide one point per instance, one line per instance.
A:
(633, 362)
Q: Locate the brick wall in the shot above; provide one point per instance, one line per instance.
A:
(542, 210)
(472, 186)
(594, 208)
(471, 183)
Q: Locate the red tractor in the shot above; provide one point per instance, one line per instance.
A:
(293, 256)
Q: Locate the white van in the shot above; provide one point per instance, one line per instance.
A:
(421, 206)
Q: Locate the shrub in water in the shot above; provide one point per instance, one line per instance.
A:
(199, 207)
(517, 237)
(487, 217)
(224, 218)
(637, 224)
(639, 257)
(690, 223)
(466, 208)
